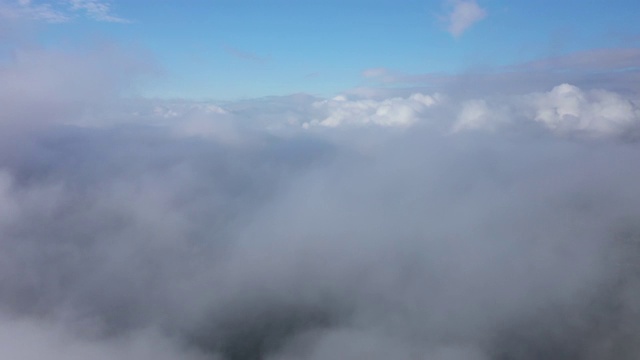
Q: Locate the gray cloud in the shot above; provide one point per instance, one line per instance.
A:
(140, 229)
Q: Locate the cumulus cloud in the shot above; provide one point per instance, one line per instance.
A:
(567, 108)
(463, 15)
(389, 112)
(261, 229)
(564, 110)
(475, 114)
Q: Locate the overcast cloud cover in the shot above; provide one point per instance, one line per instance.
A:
(388, 223)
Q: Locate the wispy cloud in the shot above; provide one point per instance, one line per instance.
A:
(381, 74)
(375, 72)
(611, 69)
(312, 75)
(462, 15)
(96, 9)
(26, 9)
(244, 55)
(59, 12)
(588, 60)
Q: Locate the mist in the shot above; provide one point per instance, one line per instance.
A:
(424, 226)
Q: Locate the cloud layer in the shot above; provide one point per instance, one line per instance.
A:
(424, 225)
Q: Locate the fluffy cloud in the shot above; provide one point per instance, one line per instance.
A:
(565, 110)
(463, 15)
(474, 114)
(389, 112)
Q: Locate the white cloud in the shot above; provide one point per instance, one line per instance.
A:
(389, 112)
(567, 108)
(475, 114)
(564, 110)
(463, 15)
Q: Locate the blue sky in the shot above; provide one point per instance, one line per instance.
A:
(230, 49)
